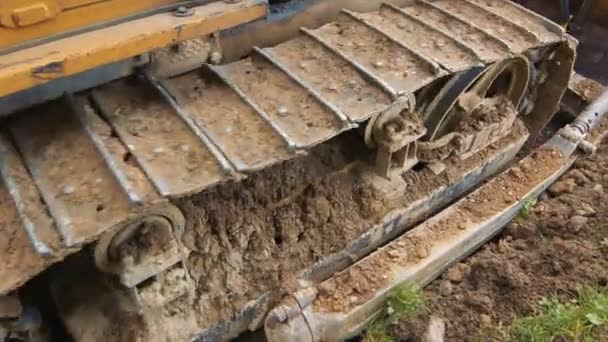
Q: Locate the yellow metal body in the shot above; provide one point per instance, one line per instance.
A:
(30, 67)
(22, 21)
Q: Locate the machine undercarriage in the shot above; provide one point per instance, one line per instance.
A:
(187, 207)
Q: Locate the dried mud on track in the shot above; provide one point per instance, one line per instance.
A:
(560, 245)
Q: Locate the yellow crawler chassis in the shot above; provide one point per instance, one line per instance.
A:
(95, 164)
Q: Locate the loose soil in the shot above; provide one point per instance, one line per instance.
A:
(360, 282)
(253, 236)
(559, 246)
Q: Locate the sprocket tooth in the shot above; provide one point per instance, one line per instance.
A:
(78, 189)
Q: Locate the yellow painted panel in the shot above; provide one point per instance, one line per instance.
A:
(25, 20)
(34, 66)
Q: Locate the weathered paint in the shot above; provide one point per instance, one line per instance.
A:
(22, 21)
(34, 66)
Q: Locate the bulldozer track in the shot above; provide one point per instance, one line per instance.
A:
(78, 167)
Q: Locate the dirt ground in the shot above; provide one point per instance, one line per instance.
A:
(561, 244)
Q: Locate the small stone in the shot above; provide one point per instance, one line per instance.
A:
(586, 210)
(576, 223)
(326, 288)
(216, 57)
(562, 186)
(456, 274)
(462, 225)
(598, 188)
(422, 252)
(393, 254)
(354, 299)
(485, 320)
(379, 64)
(158, 150)
(435, 331)
(445, 288)
(502, 247)
(556, 266)
(282, 110)
(516, 172)
(436, 167)
(579, 177)
(68, 189)
(186, 148)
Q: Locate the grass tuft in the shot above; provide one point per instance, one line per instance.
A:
(404, 302)
(527, 207)
(583, 318)
(377, 331)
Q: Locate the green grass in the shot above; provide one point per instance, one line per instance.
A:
(527, 207)
(377, 331)
(405, 301)
(583, 318)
